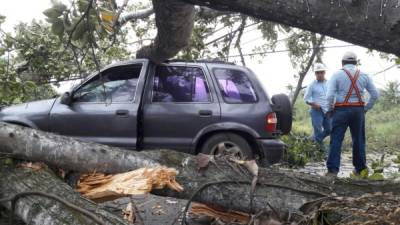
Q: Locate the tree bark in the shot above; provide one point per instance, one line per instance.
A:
(174, 21)
(135, 16)
(38, 210)
(285, 191)
(372, 24)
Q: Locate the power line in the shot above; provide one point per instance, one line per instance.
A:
(227, 34)
(384, 70)
(288, 50)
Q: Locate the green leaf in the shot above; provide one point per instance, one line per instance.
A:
(58, 28)
(9, 42)
(84, 40)
(364, 173)
(376, 176)
(59, 7)
(30, 84)
(52, 20)
(82, 5)
(378, 170)
(66, 21)
(2, 19)
(79, 31)
(52, 13)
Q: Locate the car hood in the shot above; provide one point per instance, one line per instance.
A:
(36, 107)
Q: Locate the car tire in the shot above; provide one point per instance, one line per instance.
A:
(229, 144)
(283, 110)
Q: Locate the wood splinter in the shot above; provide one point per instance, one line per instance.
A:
(101, 187)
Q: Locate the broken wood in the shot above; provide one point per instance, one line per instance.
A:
(100, 187)
(220, 214)
(129, 213)
(219, 183)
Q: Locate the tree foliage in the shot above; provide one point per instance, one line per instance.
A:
(33, 56)
(83, 35)
(390, 95)
(86, 34)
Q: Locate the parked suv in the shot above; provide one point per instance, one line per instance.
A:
(199, 106)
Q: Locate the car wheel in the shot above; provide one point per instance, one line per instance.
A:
(283, 110)
(228, 144)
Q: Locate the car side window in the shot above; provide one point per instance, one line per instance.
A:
(180, 84)
(117, 84)
(235, 86)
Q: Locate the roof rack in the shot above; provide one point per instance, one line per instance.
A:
(216, 60)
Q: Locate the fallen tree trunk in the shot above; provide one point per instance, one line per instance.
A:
(41, 210)
(372, 24)
(224, 183)
(174, 21)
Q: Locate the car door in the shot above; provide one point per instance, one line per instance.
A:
(104, 109)
(181, 103)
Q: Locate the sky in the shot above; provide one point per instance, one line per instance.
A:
(274, 71)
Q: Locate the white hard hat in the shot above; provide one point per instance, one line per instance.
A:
(319, 67)
(349, 56)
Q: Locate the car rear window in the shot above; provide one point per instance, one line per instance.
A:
(180, 84)
(235, 86)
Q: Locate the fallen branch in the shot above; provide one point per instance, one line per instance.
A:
(225, 216)
(217, 183)
(14, 199)
(39, 198)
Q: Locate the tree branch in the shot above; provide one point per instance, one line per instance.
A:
(135, 16)
(86, 13)
(16, 197)
(302, 75)
(237, 45)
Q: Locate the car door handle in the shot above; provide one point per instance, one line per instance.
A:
(205, 113)
(122, 112)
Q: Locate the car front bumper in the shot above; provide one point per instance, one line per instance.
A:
(272, 151)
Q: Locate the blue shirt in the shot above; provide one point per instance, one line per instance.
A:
(339, 85)
(316, 93)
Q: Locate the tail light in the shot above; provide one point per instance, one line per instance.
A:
(270, 122)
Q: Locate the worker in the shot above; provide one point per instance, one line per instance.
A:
(315, 97)
(346, 104)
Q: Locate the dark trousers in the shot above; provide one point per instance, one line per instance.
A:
(343, 117)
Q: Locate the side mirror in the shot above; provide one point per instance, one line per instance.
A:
(66, 99)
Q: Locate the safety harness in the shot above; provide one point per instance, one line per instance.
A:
(354, 87)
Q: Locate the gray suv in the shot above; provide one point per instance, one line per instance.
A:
(197, 106)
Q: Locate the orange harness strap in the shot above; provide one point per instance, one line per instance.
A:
(354, 87)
